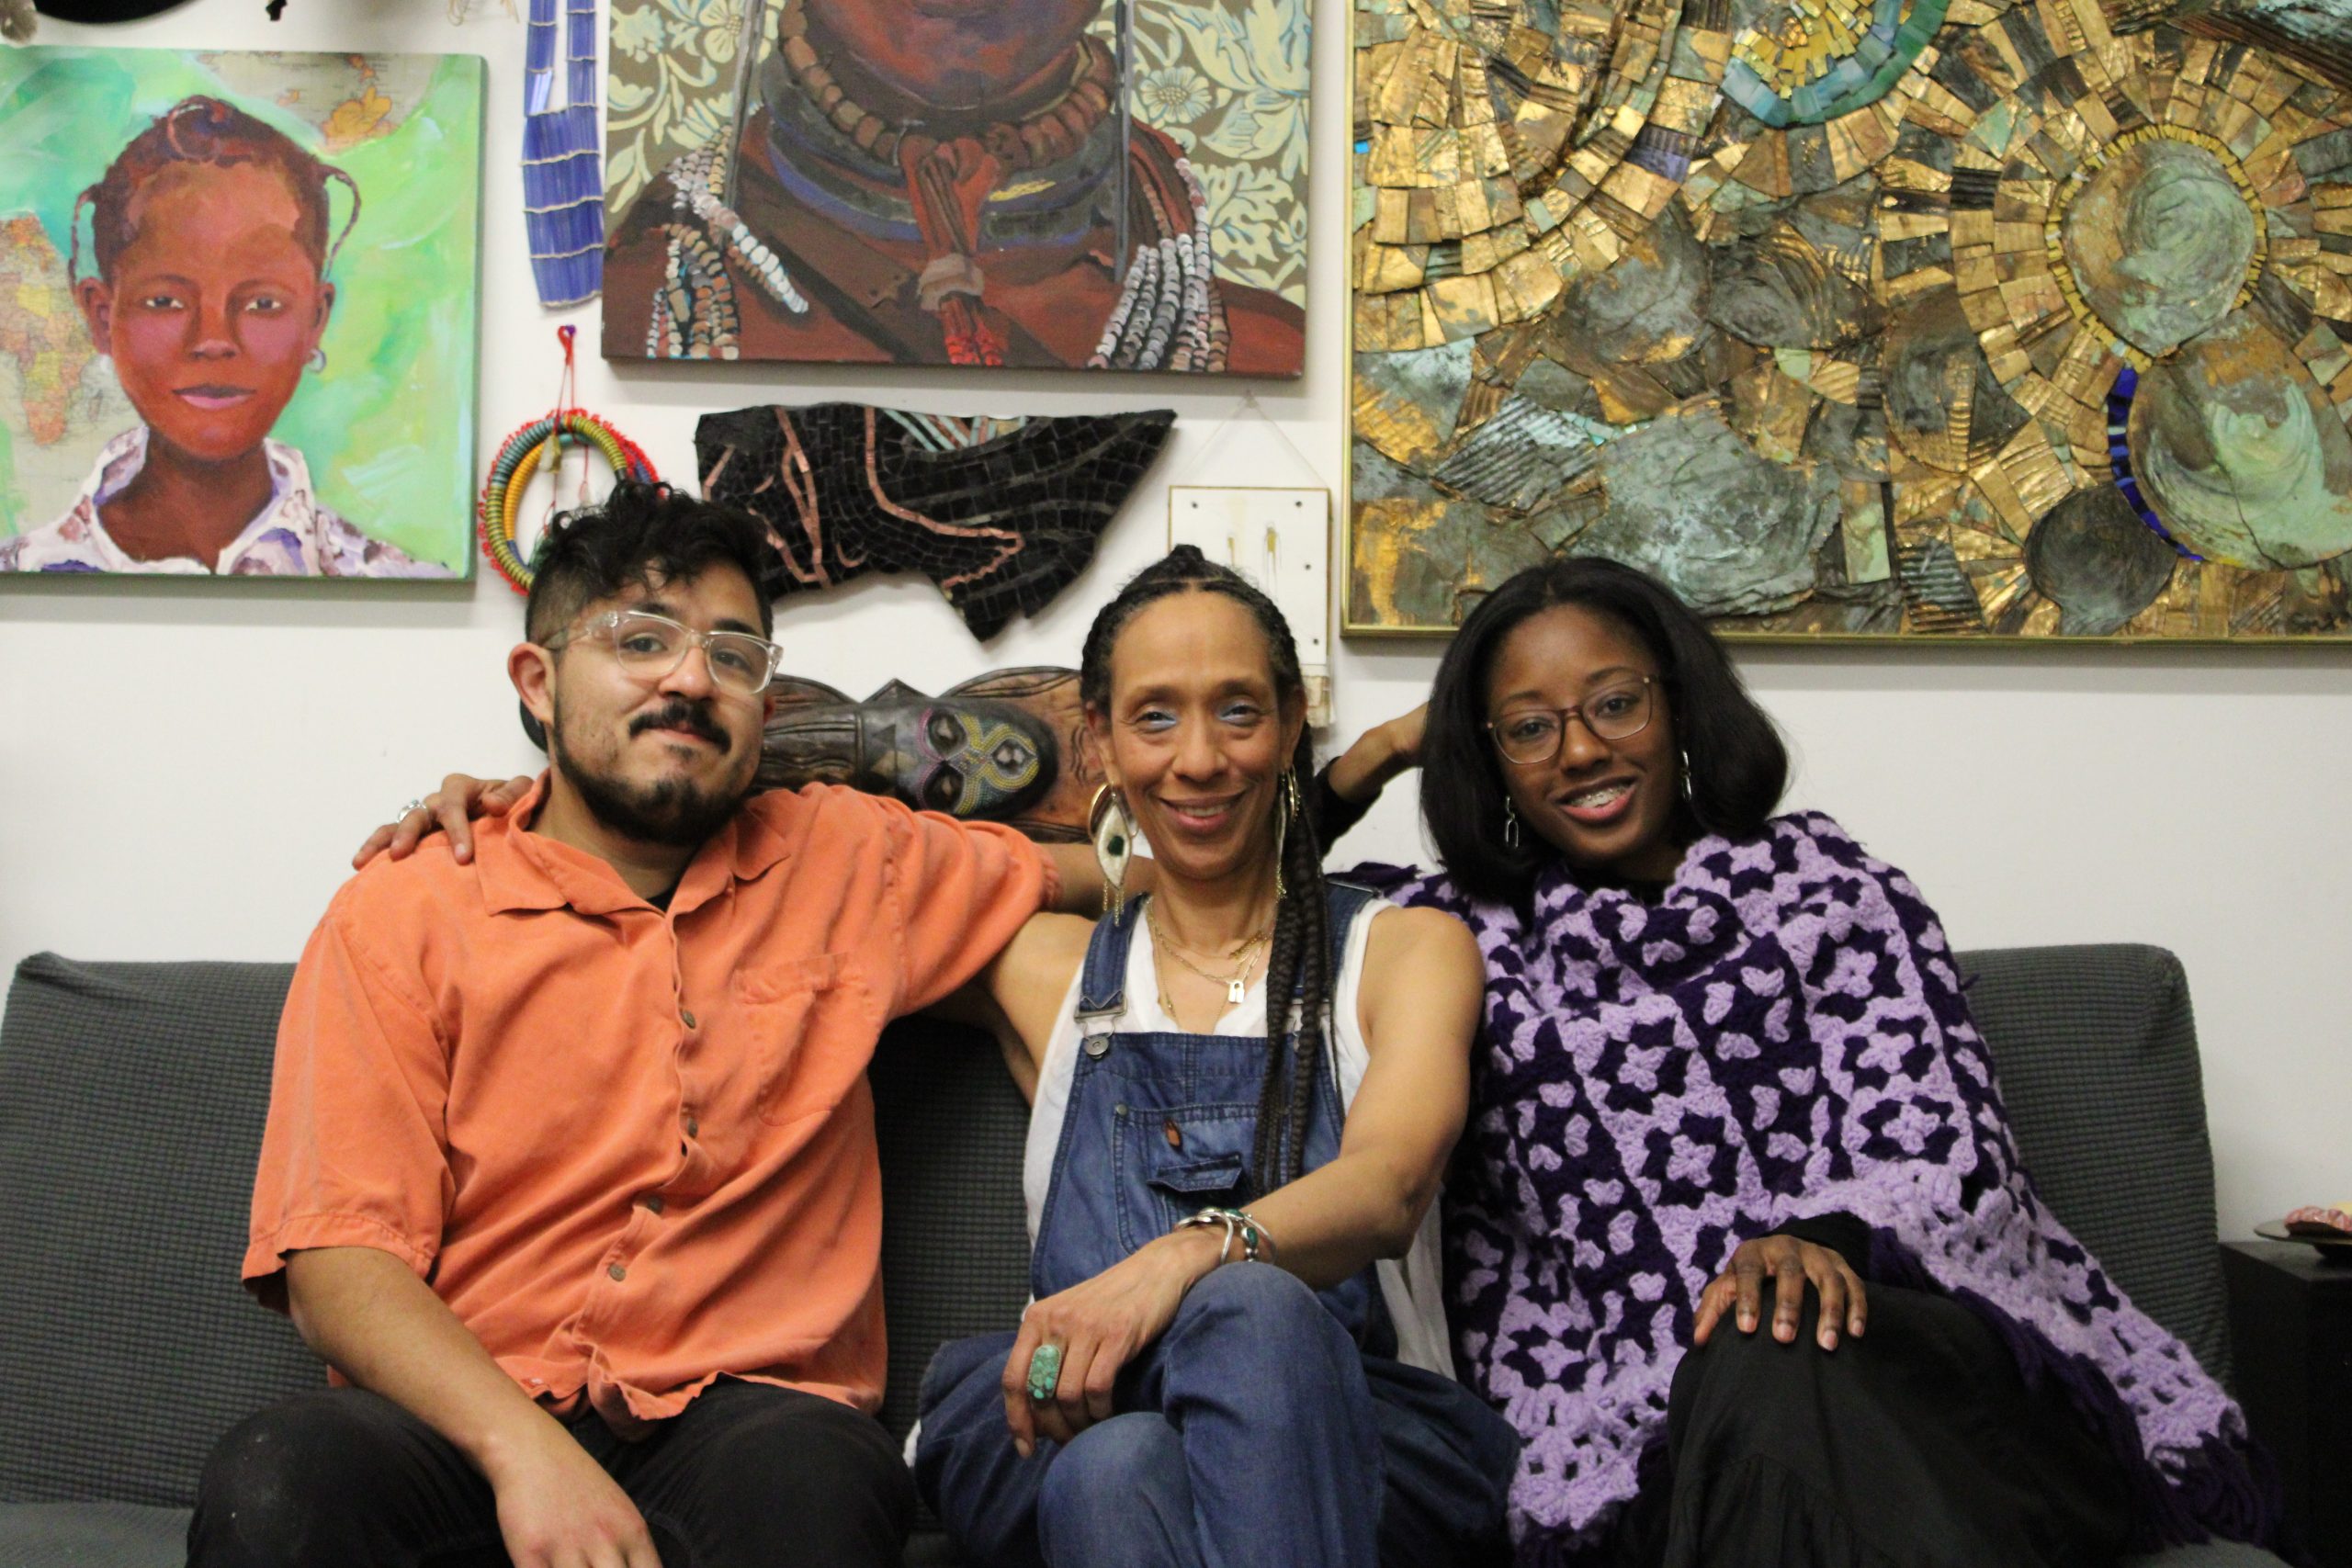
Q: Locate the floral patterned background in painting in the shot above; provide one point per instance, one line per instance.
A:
(1226, 79)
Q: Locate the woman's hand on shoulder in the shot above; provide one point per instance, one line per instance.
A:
(1793, 1265)
(1379, 755)
(1099, 1326)
(451, 809)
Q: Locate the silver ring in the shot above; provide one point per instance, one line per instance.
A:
(401, 814)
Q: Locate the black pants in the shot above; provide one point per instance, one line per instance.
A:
(748, 1476)
(1917, 1446)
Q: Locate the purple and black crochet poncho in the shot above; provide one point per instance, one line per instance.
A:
(1780, 1035)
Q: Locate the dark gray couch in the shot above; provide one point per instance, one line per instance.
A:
(131, 1098)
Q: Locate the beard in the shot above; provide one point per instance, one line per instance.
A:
(674, 812)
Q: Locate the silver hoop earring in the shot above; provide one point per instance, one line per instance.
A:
(1112, 832)
(318, 359)
(1510, 823)
(1684, 752)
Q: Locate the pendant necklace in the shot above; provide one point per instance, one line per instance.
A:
(1236, 985)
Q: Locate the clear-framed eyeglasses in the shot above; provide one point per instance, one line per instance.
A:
(1617, 712)
(648, 647)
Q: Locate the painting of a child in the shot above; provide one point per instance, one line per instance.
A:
(208, 285)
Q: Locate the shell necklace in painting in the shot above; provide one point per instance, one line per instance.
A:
(1170, 313)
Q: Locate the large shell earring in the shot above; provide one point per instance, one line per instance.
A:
(1113, 834)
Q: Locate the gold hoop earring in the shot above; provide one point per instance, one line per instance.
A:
(1112, 832)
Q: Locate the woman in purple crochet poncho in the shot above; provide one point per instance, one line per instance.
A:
(1737, 1236)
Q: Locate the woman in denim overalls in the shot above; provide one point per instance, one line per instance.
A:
(1170, 1399)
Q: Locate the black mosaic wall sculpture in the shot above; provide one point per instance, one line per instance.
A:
(1000, 512)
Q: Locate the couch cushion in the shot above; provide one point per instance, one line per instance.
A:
(2096, 1053)
(955, 1239)
(131, 1100)
(2213, 1554)
(92, 1535)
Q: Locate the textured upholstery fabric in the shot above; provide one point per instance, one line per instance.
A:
(2096, 1053)
(2214, 1554)
(954, 1241)
(131, 1098)
(92, 1535)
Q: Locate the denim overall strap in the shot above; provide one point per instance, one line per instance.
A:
(1102, 979)
(1161, 1122)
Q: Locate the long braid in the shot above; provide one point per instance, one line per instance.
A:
(1307, 911)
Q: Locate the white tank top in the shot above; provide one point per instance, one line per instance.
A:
(1412, 1286)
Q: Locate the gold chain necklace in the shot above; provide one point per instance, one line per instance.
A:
(1236, 985)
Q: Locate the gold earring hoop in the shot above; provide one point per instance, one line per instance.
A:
(1113, 833)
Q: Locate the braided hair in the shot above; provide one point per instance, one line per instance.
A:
(1299, 962)
(199, 130)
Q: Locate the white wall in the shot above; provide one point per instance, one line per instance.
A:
(188, 768)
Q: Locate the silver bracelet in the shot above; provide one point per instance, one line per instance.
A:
(1238, 1223)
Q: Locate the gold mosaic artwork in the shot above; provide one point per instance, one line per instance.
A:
(1888, 318)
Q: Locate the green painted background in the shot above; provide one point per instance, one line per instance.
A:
(388, 426)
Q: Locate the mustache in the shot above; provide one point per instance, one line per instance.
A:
(679, 714)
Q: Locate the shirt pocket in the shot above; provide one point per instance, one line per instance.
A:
(1182, 1159)
(808, 1033)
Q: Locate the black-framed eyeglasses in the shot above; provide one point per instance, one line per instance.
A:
(648, 647)
(1616, 712)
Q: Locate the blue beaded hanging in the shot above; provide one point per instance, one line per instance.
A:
(563, 196)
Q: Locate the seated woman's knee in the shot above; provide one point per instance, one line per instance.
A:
(1115, 1459)
(1757, 1374)
(1260, 1292)
(1118, 1481)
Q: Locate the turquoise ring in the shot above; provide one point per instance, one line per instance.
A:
(1045, 1371)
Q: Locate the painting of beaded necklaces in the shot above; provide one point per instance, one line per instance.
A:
(1080, 183)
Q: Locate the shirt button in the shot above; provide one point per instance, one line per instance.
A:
(653, 1203)
(617, 1272)
(686, 1018)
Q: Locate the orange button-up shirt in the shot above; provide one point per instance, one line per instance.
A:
(632, 1150)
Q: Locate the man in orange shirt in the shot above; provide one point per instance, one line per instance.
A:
(570, 1168)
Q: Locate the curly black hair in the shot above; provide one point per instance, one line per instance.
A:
(643, 533)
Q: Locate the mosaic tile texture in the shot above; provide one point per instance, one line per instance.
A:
(1000, 512)
(1857, 317)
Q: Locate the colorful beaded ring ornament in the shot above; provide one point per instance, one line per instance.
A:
(519, 458)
